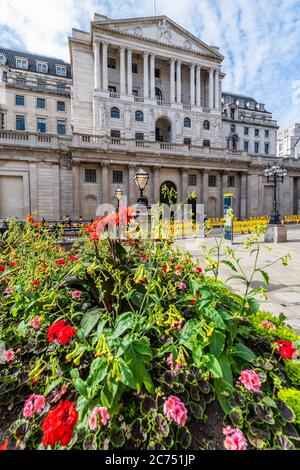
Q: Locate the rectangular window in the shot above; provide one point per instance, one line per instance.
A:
(21, 81)
(206, 143)
(246, 146)
(267, 148)
(61, 127)
(61, 87)
(61, 106)
(41, 85)
(22, 63)
(115, 133)
(111, 62)
(134, 68)
(232, 128)
(187, 141)
(139, 136)
(157, 73)
(20, 123)
(256, 132)
(41, 103)
(41, 125)
(61, 70)
(246, 130)
(231, 181)
(4, 76)
(266, 134)
(212, 181)
(42, 67)
(135, 92)
(192, 180)
(117, 176)
(20, 100)
(90, 175)
(112, 89)
(256, 147)
(2, 121)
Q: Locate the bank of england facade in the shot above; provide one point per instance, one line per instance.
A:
(137, 93)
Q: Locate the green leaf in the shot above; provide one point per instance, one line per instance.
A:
(222, 395)
(226, 369)
(90, 320)
(142, 346)
(242, 351)
(127, 377)
(124, 322)
(120, 252)
(217, 343)
(21, 330)
(214, 315)
(111, 393)
(264, 275)
(235, 276)
(81, 387)
(52, 385)
(253, 305)
(82, 406)
(214, 366)
(230, 264)
(98, 371)
(189, 333)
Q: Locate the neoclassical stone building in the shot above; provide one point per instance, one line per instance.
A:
(139, 92)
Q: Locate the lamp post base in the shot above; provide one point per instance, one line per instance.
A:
(276, 233)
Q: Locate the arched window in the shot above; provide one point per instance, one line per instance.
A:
(115, 113)
(187, 122)
(158, 94)
(206, 125)
(139, 116)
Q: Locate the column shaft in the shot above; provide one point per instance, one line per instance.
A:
(152, 76)
(198, 86)
(178, 82)
(97, 65)
(129, 72)
(146, 73)
(122, 71)
(104, 66)
(217, 90)
(172, 80)
(211, 88)
(192, 85)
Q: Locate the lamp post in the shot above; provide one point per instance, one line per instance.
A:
(118, 195)
(141, 179)
(277, 172)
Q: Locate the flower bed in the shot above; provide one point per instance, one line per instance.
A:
(133, 345)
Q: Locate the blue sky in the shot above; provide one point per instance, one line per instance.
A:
(260, 39)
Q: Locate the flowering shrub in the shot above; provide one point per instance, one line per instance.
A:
(134, 345)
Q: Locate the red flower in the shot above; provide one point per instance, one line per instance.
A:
(74, 258)
(2, 268)
(12, 264)
(36, 282)
(286, 349)
(59, 424)
(164, 268)
(4, 445)
(198, 269)
(61, 332)
(195, 299)
(60, 262)
(94, 236)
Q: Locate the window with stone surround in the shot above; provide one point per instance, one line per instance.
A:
(256, 147)
(192, 180)
(246, 130)
(41, 125)
(135, 92)
(187, 122)
(115, 133)
(139, 116)
(61, 70)
(187, 141)
(41, 67)
(117, 176)
(21, 81)
(256, 132)
(115, 113)
(267, 133)
(206, 125)
(21, 63)
(2, 120)
(157, 73)
(20, 100)
(206, 143)
(20, 123)
(139, 136)
(267, 148)
(61, 127)
(231, 181)
(90, 175)
(111, 62)
(212, 181)
(61, 106)
(246, 145)
(134, 67)
(41, 103)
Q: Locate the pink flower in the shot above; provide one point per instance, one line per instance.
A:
(9, 355)
(9, 290)
(76, 294)
(181, 285)
(235, 439)
(177, 325)
(250, 380)
(98, 412)
(34, 404)
(36, 322)
(268, 324)
(175, 410)
(170, 362)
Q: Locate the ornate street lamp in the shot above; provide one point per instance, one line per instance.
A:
(277, 172)
(141, 179)
(118, 195)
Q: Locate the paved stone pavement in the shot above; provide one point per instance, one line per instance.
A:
(284, 288)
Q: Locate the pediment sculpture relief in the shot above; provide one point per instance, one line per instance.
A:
(164, 31)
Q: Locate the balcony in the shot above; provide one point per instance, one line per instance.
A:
(26, 139)
(32, 86)
(250, 119)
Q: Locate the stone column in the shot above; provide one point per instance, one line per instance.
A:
(97, 81)
(211, 88)
(33, 182)
(146, 81)
(192, 85)
(105, 183)
(132, 199)
(198, 86)
(217, 90)
(172, 80)
(76, 189)
(243, 195)
(129, 72)
(156, 184)
(184, 184)
(178, 81)
(205, 189)
(56, 192)
(152, 76)
(122, 71)
(222, 177)
(104, 66)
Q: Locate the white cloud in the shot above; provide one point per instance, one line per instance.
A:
(260, 40)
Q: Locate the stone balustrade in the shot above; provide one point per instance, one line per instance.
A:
(27, 139)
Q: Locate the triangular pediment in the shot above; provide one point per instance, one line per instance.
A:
(163, 30)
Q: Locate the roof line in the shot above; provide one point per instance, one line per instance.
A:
(32, 53)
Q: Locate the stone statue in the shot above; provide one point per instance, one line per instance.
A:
(164, 31)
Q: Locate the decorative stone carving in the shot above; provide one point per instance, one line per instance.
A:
(138, 31)
(164, 31)
(187, 44)
(102, 116)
